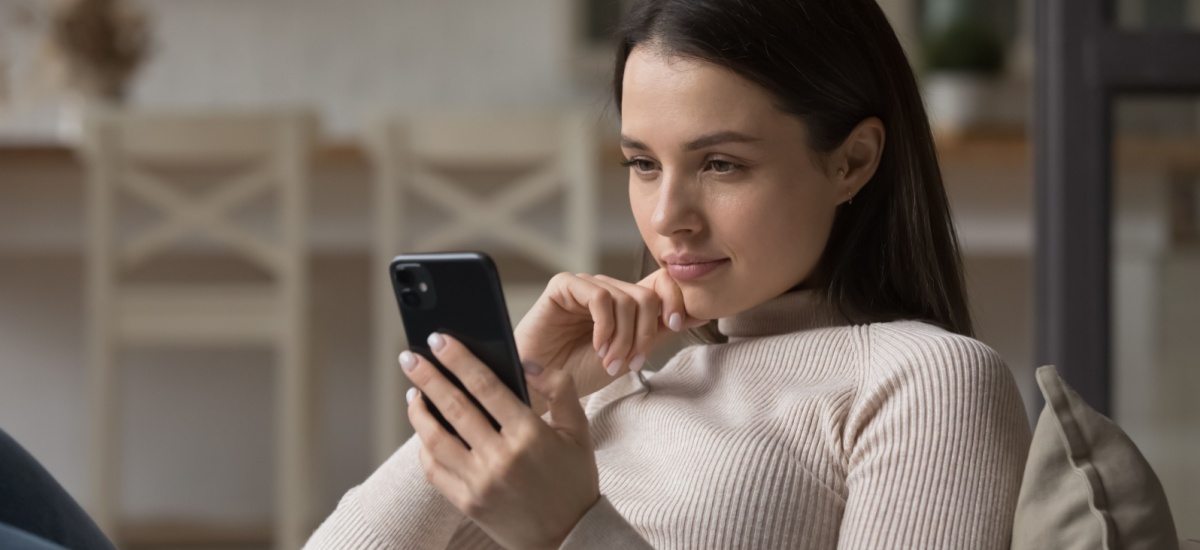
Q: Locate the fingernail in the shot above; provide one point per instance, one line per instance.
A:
(636, 363)
(436, 342)
(603, 351)
(675, 322)
(614, 367)
(410, 394)
(532, 368)
(407, 360)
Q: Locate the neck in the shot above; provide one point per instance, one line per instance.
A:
(792, 311)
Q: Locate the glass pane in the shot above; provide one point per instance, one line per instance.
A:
(1157, 15)
(1156, 290)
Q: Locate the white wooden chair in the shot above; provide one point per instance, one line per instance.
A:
(144, 156)
(418, 163)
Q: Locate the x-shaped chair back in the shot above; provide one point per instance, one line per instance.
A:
(133, 154)
(127, 155)
(555, 150)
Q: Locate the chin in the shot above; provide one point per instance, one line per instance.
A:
(703, 303)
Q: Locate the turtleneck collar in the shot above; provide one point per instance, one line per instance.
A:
(791, 312)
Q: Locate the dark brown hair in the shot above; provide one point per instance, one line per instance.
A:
(893, 253)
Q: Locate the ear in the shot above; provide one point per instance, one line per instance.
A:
(857, 158)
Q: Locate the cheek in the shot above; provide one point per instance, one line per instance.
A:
(782, 239)
(642, 204)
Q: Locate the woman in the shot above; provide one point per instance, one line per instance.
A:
(784, 180)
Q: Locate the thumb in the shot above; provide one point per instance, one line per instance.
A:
(558, 389)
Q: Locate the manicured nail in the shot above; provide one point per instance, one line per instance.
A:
(614, 367)
(636, 363)
(532, 368)
(603, 351)
(407, 360)
(436, 342)
(410, 394)
(675, 322)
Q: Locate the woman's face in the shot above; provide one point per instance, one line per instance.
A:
(724, 188)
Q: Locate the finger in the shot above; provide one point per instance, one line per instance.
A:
(478, 379)
(443, 479)
(625, 310)
(674, 311)
(648, 319)
(447, 449)
(566, 413)
(597, 301)
(454, 405)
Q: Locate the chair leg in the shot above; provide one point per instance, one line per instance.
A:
(104, 435)
(294, 448)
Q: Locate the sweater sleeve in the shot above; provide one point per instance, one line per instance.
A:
(394, 508)
(603, 527)
(936, 443)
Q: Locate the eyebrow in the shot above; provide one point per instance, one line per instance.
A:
(698, 143)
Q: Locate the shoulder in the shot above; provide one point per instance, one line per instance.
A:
(920, 381)
(913, 349)
(913, 365)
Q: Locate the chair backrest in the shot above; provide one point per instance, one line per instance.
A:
(146, 156)
(420, 159)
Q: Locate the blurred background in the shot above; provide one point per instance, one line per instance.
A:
(170, 347)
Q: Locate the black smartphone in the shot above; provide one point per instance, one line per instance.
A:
(459, 294)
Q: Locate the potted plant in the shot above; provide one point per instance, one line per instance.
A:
(92, 49)
(964, 60)
(99, 44)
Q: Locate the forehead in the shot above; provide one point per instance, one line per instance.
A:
(669, 98)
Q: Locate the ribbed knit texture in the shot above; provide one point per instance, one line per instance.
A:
(799, 432)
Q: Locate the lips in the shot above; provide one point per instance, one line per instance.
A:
(690, 267)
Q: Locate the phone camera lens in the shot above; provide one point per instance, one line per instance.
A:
(410, 298)
(405, 277)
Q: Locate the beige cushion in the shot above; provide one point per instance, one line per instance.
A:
(1086, 485)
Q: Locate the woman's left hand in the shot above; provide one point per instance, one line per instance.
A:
(527, 485)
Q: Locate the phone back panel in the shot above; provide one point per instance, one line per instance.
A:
(463, 299)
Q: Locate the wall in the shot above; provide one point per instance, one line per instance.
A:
(347, 58)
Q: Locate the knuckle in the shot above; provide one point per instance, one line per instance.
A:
(501, 465)
(455, 408)
(484, 387)
(473, 505)
(650, 300)
(555, 386)
(520, 433)
(428, 470)
(433, 443)
(603, 298)
(525, 436)
(463, 504)
(624, 301)
(557, 391)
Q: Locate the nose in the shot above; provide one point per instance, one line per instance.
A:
(676, 212)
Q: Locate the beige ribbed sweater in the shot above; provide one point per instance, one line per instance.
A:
(797, 433)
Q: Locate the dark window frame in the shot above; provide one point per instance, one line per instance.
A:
(1084, 63)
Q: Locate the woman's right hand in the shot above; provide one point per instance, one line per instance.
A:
(598, 328)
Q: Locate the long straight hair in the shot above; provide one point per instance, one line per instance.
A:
(892, 254)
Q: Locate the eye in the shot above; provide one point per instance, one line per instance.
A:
(640, 164)
(722, 166)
